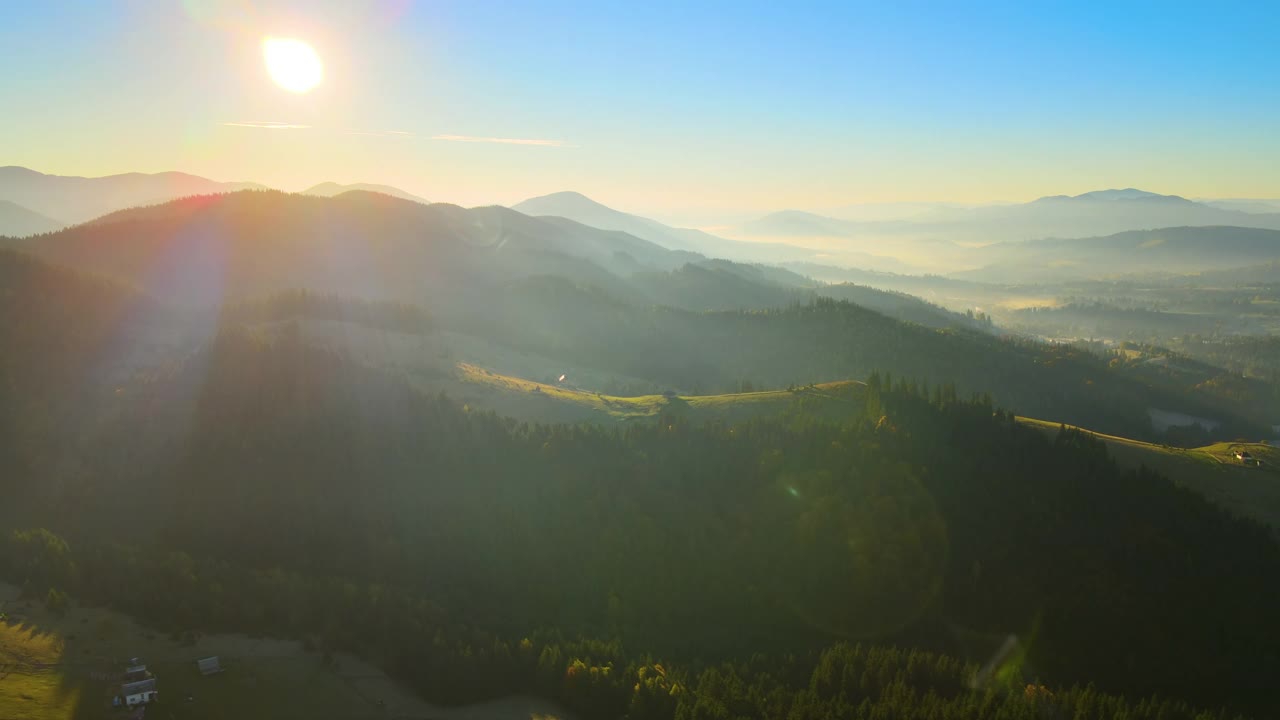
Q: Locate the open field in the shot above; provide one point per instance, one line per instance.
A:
(55, 667)
(523, 398)
(1249, 491)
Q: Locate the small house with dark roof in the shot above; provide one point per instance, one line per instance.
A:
(209, 665)
(139, 692)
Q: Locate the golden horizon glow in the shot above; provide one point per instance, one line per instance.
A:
(292, 64)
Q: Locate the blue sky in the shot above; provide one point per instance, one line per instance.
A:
(667, 108)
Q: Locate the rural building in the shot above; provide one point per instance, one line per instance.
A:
(138, 687)
(209, 665)
(1244, 457)
(139, 692)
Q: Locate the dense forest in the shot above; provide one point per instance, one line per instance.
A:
(919, 521)
(450, 661)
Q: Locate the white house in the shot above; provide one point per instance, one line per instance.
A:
(139, 692)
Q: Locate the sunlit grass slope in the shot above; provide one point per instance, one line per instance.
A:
(1247, 490)
(32, 685)
(523, 398)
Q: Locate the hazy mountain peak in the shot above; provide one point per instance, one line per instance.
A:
(332, 189)
(562, 203)
(1111, 195)
(18, 221)
(1125, 194)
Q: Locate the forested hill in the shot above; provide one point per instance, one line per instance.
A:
(314, 486)
(824, 340)
(206, 250)
(601, 320)
(603, 299)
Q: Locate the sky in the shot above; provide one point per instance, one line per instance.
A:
(678, 110)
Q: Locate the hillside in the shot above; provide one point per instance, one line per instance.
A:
(1213, 470)
(817, 342)
(202, 250)
(17, 221)
(302, 474)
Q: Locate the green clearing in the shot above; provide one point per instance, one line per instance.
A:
(52, 668)
(1213, 471)
(518, 397)
(32, 685)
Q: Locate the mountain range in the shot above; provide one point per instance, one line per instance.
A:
(969, 242)
(33, 202)
(207, 250)
(70, 200)
(1091, 214)
(576, 206)
(1175, 250)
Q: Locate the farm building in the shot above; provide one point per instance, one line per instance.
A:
(138, 687)
(209, 665)
(139, 692)
(1244, 457)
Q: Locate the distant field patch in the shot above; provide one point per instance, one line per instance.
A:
(1213, 471)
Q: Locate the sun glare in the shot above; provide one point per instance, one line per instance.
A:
(292, 64)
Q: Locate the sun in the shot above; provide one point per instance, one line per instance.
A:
(292, 64)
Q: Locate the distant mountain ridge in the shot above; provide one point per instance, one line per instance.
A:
(580, 208)
(202, 250)
(18, 221)
(1127, 194)
(1177, 250)
(330, 189)
(1091, 214)
(73, 199)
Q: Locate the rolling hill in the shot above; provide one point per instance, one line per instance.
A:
(1251, 491)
